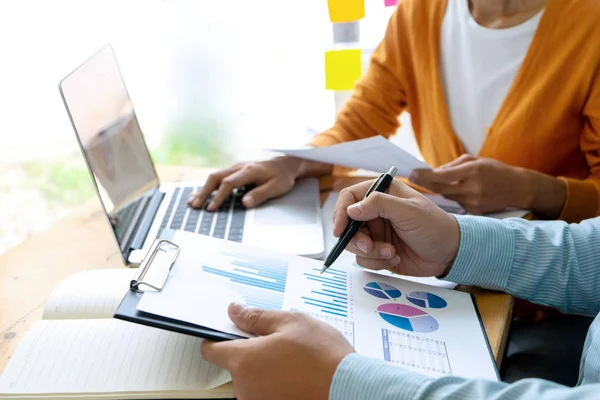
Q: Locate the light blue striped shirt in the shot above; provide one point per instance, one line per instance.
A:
(549, 263)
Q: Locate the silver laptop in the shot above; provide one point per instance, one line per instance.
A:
(139, 207)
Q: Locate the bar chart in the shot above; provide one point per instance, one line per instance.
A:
(343, 325)
(421, 354)
(327, 293)
(260, 281)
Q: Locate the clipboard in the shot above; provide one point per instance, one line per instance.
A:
(152, 274)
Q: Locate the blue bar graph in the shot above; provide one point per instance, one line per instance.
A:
(261, 282)
(328, 292)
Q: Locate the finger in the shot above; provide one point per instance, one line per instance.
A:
(256, 320)
(264, 192)
(363, 246)
(379, 205)
(198, 199)
(239, 178)
(460, 160)
(424, 177)
(377, 264)
(357, 192)
(377, 230)
(446, 189)
(347, 197)
(222, 353)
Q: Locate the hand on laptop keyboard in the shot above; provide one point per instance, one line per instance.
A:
(272, 178)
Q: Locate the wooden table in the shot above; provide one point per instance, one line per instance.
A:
(82, 241)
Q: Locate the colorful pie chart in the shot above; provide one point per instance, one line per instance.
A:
(426, 300)
(382, 290)
(408, 318)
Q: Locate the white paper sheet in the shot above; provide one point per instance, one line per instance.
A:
(454, 208)
(373, 154)
(422, 328)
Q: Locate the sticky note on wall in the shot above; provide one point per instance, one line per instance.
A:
(342, 69)
(346, 10)
(390, 3)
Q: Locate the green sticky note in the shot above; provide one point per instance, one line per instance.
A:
(346, 10)
(342, 69)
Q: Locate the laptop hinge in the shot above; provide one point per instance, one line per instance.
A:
(145, 222)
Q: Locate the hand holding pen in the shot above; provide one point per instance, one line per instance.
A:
(381, 184)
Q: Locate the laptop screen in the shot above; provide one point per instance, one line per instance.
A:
(111, 139)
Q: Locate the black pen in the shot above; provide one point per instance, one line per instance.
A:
(381, 184)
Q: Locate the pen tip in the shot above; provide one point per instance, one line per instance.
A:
(324, 268)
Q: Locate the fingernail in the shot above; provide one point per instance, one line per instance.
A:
(362, 246)
(355, 209)
(236, 308)
(192, 197)
(248, 201)
(211, 206)
(414, 176)
(395, 261)
(385, 252)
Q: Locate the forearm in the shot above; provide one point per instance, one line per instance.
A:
(523, 257)
(361, 378)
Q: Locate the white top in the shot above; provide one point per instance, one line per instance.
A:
(478, 66)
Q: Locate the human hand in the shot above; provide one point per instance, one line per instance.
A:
(272, 178)
(404, 232)
(294, 357)
(480, 185)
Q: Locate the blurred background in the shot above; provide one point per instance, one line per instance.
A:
(213, 82)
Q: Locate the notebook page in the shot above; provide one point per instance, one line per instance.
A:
(89, 294)
(71, 357)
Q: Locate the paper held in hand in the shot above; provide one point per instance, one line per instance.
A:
(375, 154)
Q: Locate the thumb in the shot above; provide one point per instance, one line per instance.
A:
(377, 205)
(256, 320)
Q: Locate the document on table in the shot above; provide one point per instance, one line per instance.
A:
(421, 328)
(348, 259)
(454, 208)
(374, 154)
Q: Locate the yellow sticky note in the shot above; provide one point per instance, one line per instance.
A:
(346, 10)
(342, 69)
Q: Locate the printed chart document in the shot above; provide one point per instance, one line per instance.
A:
(422, 328)
(78, 350)
(374, 154)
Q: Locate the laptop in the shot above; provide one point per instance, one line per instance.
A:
(138, 206)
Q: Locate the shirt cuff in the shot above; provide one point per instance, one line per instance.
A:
(581, 202)
(486, 253)
(359, 377)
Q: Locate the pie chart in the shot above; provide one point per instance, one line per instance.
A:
(408, 318)
(382, 290)
(426, 300)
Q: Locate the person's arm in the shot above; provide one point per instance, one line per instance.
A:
(549, 263)
(362, 378)
(583, 195)
(379, 96)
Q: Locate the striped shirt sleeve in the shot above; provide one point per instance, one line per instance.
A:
(362, 378)
(550, 263)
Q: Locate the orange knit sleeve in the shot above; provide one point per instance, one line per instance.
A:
(378, 97)
(583, 195)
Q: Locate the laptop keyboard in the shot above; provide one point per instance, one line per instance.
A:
(225, 223)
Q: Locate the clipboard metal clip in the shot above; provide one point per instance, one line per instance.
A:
(158, 253)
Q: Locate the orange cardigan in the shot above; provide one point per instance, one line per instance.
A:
(550, 118)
